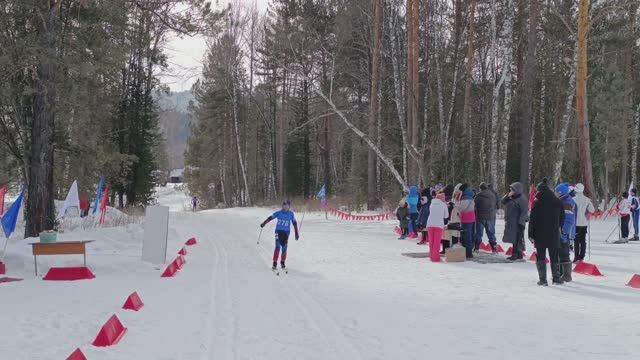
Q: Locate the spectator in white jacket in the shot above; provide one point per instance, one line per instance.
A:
(624, 209)
(438, 212)
(584, 207)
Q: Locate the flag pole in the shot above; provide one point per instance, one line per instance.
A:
(4, 250)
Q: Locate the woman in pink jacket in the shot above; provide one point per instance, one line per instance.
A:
(438, 212)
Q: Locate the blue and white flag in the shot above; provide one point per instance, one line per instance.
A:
(10, 218)
(98, 194)
(322, 194)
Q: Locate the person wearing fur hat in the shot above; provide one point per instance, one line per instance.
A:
(584, 207)
(516, 215)
(547, 215)
(567, 231)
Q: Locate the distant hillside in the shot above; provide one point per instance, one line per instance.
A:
(175, 123)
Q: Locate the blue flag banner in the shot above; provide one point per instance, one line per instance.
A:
(98, 194)
(322, 194)
(10, 218)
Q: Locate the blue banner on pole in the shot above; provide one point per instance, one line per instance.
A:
(98, 194)
(10, 218)
(322, 195)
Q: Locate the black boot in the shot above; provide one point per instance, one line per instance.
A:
(275, 266)
(282, 264)
(566, 271)
(542, 273)
(557, 277)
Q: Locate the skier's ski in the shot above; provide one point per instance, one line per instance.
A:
(275, 271)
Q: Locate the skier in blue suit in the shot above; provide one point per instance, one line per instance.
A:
(285, 218)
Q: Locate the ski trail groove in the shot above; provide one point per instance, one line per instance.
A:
(229, 303)
(330, 329)
(326, 327)
(223, 340)
(211, 313)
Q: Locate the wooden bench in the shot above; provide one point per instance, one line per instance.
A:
(59, 248)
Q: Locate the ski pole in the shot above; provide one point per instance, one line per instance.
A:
(302, 220)
(259, 235)
(611, 233)
(589, 230)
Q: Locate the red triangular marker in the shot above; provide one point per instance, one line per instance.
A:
(133, 302)
(77, 355)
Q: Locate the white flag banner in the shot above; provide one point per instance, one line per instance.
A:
(72, 200)
(630, 188)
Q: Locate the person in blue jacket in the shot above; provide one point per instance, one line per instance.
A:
(567, 229)
(285, 218)
(413, 199)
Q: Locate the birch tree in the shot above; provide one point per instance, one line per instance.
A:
(374, 103)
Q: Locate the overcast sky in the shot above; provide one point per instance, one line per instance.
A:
(185, 56)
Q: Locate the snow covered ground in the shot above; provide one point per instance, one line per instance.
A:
(350, 294)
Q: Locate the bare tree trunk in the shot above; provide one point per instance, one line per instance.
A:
(634, 146)
(525, 96)
(564, 125)
(398, 88)
(507, 74)
(466, 127)
(372, 198)
(281, 136)
(533, 126)
(582, 120)
(246, 198)
(40, 190)
(493, 146)
(413, 91)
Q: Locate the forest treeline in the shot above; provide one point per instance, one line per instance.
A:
(369, 96)
(78, 80)
(364, 96)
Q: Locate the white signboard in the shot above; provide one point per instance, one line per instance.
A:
(156, 227)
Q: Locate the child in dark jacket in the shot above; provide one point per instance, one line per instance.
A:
(402, 213)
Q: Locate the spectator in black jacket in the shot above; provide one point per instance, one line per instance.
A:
(547, 215)
(486, 216)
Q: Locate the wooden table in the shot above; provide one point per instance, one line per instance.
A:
(59, 248)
